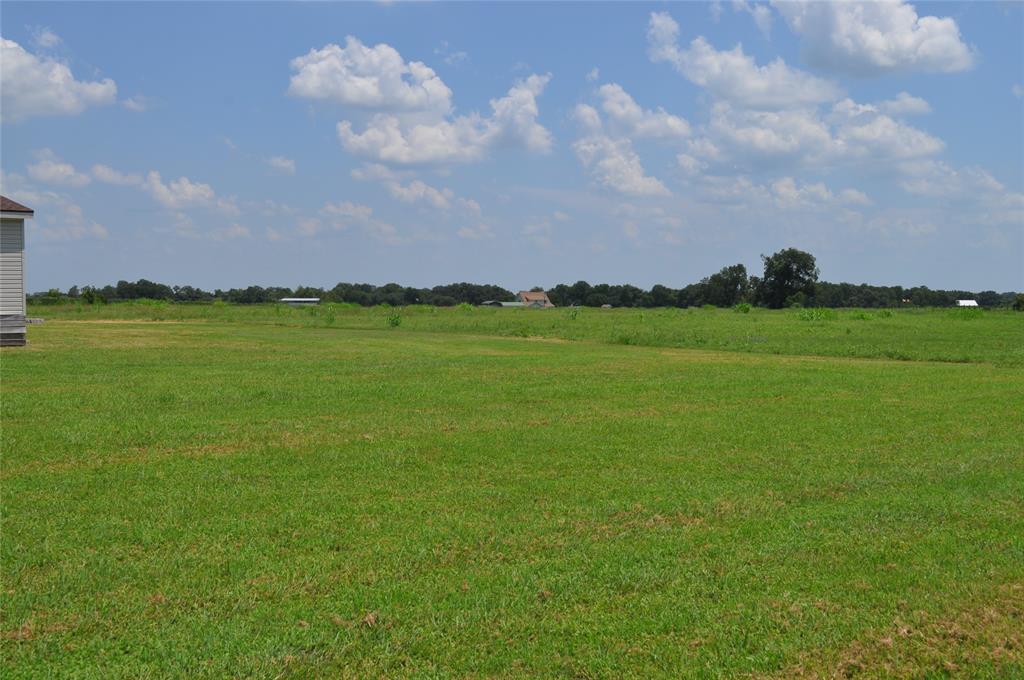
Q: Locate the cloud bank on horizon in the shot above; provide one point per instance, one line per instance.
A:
(863, 131)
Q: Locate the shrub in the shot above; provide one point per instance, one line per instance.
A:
(464, 307)
(573, 313)
(742, 308)
(394, 320)
(709, 307)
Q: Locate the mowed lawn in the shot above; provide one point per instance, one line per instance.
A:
(215, 498)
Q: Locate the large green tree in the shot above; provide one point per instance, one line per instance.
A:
(727, 287)
(787, 274)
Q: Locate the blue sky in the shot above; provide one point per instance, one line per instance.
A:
(522, 144)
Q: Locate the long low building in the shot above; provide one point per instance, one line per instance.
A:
(12, 271)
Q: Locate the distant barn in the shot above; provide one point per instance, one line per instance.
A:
(300, 302)
(534, 298)
(12, 271)
(966, 303)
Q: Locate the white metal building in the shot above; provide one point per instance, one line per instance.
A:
(12, 271)
(966, 303)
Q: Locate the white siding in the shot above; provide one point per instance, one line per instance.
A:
(12, 266)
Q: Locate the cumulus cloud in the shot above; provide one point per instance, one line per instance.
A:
(108, 175)
(344, 214)
(872, 38)
(369, 77)
(938, 179)
(391, 138)
(789, 194)
(285, 166)
(58, 218)
(178, 193)
(476, 232)
(760, 12)
(138, 103)
(849, 132)
(44, 38)
(905, 104)
(415, 191)
(413, 120)
(626, 115)
(347, 210)
(31, 86)
(50, 169)
(615, 165)
(732, 75)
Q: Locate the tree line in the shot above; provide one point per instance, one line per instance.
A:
(789, 278)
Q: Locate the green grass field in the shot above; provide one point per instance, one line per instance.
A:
(209, 491)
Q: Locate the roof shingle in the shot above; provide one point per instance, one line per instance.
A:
(7, 205)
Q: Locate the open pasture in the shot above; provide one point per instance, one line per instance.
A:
(338, 492)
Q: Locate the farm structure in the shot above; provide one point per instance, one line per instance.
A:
(966, 303)
(534, 298)
(12, 271)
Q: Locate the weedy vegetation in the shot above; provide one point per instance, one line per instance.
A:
(264, 491)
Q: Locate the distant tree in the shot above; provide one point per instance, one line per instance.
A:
(1018, 304)
(788, 274)
(73, 292)
(727, 287)
(986, 298)
(662, 296)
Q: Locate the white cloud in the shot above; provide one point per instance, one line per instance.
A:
(760, 12)
(346, 210)
(690, 166)
(418, 190)
(797, 134)
(50, 169)
(58, 218)
(450, 56)
(587, 117)
(476, 232)
(849, 133)
(413, 192)
(734, 76)
(615, 165)
(138, 103)
(178, 193)
(108, 175)
(344, 214)
(44, 38)
(390, 138)
(369, 77)
(788, 194)
(905, 104)
(281, 164)
(40, 86)
(938, 179)
(861, 131)
(626, 115)
(561, 216)
(871, 38)
(593, 74)
(1017, 90)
